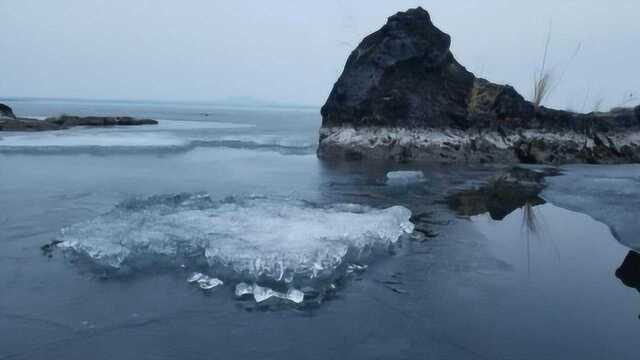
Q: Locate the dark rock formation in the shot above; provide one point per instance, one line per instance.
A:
(66, 121)
(5, 111)
(22, 124)
(403, 96)
(399, 76)
(69, 121)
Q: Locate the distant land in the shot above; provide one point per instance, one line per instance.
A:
(235, 101)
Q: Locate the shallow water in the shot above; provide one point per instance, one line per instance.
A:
(539, 284)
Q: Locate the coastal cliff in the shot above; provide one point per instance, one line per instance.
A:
(403, 96)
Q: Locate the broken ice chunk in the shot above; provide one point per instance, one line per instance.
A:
(295, 295)
(262, 293)
(404, 177)
(356, 268)
(195, 277)
(208, 283)
(243, 289)
(407, 227)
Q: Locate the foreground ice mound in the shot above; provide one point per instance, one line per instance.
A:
(257, 239)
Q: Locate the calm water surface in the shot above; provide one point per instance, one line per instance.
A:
(540, 284)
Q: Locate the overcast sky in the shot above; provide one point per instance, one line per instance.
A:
(293, 51)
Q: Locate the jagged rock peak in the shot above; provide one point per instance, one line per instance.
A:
(401, 75)
(409, 35)
(403, 96)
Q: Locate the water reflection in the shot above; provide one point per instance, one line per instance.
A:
(498, 198)
(529, 218)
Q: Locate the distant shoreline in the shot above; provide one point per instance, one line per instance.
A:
(217, 103)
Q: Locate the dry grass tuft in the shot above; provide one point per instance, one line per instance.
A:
(545, 79)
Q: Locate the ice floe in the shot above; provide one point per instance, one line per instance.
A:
(174, 137)
(610, 194)
(75, 138)
(404, 177)
(244, 238)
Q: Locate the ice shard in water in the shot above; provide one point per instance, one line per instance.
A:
(262, 293)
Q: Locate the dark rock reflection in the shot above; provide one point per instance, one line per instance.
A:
(501, 195)
(629, 271)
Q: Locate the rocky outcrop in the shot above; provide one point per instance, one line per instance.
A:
(403, 96)
(23, 124)
(70, 121)
(6, 112)
(66, 121)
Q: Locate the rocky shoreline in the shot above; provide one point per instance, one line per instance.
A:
(404, 97)
(9, 122)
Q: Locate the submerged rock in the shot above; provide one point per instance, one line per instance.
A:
(403, 96)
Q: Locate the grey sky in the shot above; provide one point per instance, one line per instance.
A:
(293, 51)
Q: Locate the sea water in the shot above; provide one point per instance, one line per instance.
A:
(298, 258)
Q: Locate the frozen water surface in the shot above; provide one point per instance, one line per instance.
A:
(174, 136)
(610, 194)
(83, 138)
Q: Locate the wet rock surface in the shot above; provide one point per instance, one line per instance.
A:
(403, 96)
